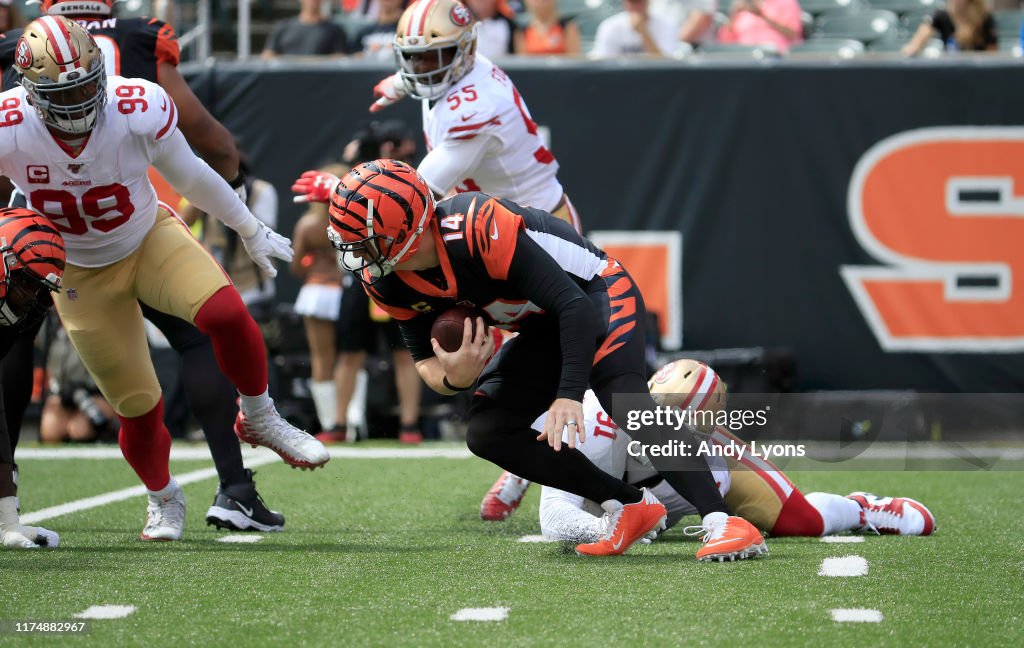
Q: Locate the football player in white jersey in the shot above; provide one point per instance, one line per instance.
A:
(478, 130)
(752, 487)
(79, 145)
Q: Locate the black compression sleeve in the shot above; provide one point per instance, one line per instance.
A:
(535, 274)
(416, 335)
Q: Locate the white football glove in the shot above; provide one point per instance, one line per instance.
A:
(266, 244)
(17, 536)
(389, 90)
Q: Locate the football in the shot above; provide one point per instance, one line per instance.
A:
(448, 327)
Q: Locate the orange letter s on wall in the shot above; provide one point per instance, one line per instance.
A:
(943, 209)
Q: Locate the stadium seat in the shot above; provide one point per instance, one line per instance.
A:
(589, 20)
(1008, 23)
(866, 26)
(844, 48)
(735, 51)
(932, 49)
(909, 6)
(911, 20)
(818, 7)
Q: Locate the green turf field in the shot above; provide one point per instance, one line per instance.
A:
(384, 551)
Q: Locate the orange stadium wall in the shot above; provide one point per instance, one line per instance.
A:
(867, 216)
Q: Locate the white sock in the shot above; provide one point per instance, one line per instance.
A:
(166, 490)
(253, 404)
(839, 513)
(325, 399)
(8, 511)
(356, 414)
(712, 520)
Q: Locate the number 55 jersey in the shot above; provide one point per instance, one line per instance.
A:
(99, 196)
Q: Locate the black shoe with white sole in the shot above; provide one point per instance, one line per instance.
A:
(239, 507)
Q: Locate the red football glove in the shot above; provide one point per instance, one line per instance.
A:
(314, 186)
(389, 91)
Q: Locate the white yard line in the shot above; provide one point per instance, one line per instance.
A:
(240, 538)
(201, 452)
(87, 503)
(481, 614)
(842, 539)
(856, 615)
(106, 612)
(843, 567)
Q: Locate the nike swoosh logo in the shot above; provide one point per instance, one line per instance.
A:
(721, 542)
(494, 230)
(247, 511)
(466, 118)
(622, 538)
(164, 107)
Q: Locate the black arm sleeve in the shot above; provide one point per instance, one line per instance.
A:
(416, 335)
(539, 277)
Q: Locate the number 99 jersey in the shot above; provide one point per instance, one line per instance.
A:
(101, 198)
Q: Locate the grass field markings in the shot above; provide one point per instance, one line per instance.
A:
(536, 538)
(856, 615)
(481, 614)
(128, 493)
(106, 612)
(200, 453)
(841, 539)
(844, 566)
(241, 538)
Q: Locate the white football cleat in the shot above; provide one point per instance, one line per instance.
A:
(269, 429)
(894, 515)
(28, 537)
(165, 516)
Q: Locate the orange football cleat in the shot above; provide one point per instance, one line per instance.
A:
(504, 497)
(625, 525)
(727, 537)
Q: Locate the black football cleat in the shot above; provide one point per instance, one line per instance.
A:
(239, 507)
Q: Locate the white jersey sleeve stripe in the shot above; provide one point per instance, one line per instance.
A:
(574, 258)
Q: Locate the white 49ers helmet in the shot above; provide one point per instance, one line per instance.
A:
(61, 68)
(690, 385)
(434, 45)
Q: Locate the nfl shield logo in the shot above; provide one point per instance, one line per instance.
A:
(74, 168)
(72, 294)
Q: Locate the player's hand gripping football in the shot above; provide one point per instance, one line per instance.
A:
(388, 91)
(314, 186)
(266, 244)
(564, 414)
(462, 367)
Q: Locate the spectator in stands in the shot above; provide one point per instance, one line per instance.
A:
(308, 34)
(635, 30)
(763, 22)
(319, 303)
(497, 30)
(374, 41)
(361, 324)
(965, 25)
(547, 34)
(693, 18)
(10, 18)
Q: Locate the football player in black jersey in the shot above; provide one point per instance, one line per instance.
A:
(148, 48)
(580, 320)
(31, 265)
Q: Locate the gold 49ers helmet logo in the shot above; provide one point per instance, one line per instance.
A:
(23, 54)
(460, 15)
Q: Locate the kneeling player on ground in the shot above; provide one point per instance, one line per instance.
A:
(31, 266)
(752, 487)
(580, 320)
